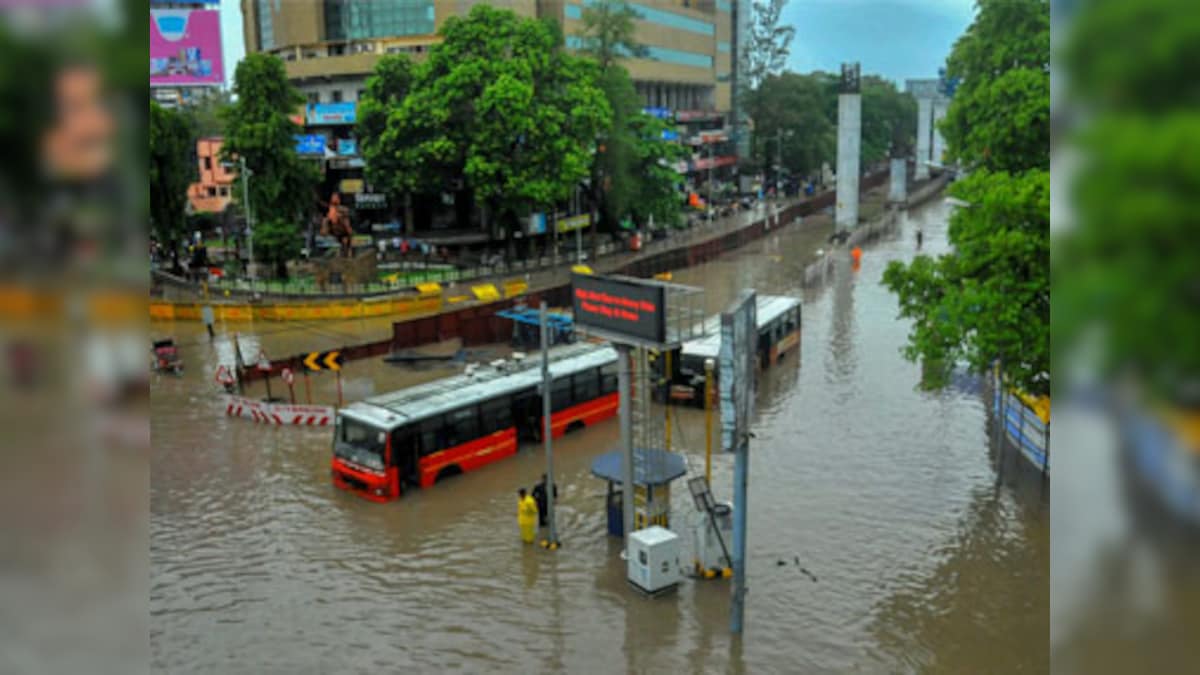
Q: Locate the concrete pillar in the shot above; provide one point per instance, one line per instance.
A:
(898, 190)
(939, 143)
(924, 121)
(848, 155)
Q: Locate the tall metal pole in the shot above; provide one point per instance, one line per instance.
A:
(778, 162)
(708, 415)
(741, 471)
(249, 217)
(546, 425)
(710, 183)
(625, 409)
(667, 402)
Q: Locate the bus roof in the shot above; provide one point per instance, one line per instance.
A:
(767, 309)
(398, 408)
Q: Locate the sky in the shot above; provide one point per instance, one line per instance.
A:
(898, 39)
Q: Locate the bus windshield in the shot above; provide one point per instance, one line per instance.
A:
(359, 443)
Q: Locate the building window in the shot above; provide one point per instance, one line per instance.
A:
(722, 46)
(337, 50)
(314, 97)
(664, 18)
(725, 6)
(336, 96)
(224, 191)
(266, 25)
(208, 163)
(211, 191)
(363, 19)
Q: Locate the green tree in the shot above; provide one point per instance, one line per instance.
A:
(206, 116)
(500, 113)
(889, 118)
(387, 87)
(259, 129)
(793, 109)
(769, 43)
(171, 171)
(277, 241)
(989, 299)
(999, 116)
(608, 33)
(633, 174)
(1125, 271)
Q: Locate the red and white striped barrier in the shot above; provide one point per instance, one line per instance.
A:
(279, 414)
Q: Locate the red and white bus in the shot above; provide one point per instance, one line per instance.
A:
(778, 321)
(419, 435)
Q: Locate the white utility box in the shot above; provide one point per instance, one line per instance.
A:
(652, 563)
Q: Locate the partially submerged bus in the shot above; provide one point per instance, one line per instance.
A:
(778, 322)
(417, 436)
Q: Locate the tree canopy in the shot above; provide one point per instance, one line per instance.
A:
(499, 104)
(768, 43)
(171, 171)
(797, 106)
(1124, 269)
(259, 129)
(999, 117)
(989, 299)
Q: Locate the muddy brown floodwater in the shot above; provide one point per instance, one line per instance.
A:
(929, 552)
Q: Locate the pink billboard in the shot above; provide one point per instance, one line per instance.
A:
(185, 47)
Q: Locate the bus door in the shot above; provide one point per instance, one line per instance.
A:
(404, 457)
(526, 413)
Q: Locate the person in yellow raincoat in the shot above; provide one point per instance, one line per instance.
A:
(527, 516)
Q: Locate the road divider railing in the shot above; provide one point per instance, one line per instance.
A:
(279, 414)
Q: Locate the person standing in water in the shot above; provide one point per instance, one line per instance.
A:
(527, 516)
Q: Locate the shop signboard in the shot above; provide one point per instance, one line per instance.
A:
(331, 113)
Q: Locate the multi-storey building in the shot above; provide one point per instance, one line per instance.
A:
(687, 75)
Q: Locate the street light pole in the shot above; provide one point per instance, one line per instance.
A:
(778, 162)
(710, 183)
(249, 215)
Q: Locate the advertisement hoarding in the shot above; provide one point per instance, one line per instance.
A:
(347, 147)
(331, 113)
(537, 223)
(185, 47)
(735, 378)
(623, 311)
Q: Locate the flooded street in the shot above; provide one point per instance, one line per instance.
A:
(930, 553)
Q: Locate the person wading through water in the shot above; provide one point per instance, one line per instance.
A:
(527, 516)
(539, 496)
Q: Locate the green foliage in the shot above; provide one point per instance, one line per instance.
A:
(277, 241)
(797, 105)
(1135, 54)
(386, 89)
(999, 116)
(656, 194)
(171, 171)
(258, 127)
(768, 43)
(1125, 273)
(206, 116)
(499, 103)
(608, 32)
(990, 298)
(889, 120)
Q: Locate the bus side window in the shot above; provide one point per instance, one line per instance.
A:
(587, 385)
(430, 435)
(608, 378)
(560, 394)
(495, 415)
(462, 425)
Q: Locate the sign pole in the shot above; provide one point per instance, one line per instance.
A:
(307, 387)
(623, 381)
(741, 470)
(267, 377)
(708, 379)
(339, 386)
(667, 402)
(547, 427)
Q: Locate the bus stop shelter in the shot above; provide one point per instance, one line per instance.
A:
(653, 471)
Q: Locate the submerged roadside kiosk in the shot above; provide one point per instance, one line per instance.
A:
(638, 316)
